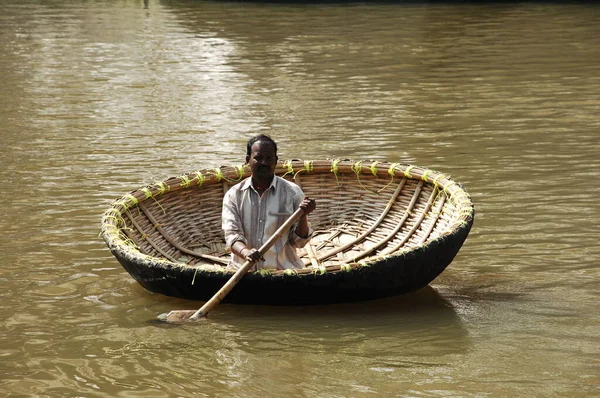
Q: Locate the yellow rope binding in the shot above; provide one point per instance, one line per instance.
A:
(162, 187)
(218, 172)
(200, 178)
(185, 181)
(391, 172)
(308, 167)
(107, 217)
(335, 169)
(356, 168)
(436, 179)
(321, 270)
(132, 199)
(425, 176)
(240, 171)
(289, 166)
(147, 192)
(346, 267)
(374, 168)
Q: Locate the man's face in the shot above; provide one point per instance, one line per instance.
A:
(262, 160)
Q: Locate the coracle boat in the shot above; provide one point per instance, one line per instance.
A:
(381, 229)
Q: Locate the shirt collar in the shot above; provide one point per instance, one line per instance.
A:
(248, 183)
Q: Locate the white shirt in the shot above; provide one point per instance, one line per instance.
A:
(253, 219)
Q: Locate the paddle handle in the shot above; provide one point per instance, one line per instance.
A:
(220, 295)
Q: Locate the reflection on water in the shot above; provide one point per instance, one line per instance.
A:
(100, 98)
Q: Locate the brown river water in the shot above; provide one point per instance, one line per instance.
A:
(100, 97)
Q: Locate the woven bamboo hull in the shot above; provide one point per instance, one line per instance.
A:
(381, 230)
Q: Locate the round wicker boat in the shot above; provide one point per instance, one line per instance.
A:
(381, 229)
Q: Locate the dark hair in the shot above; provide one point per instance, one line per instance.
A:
(255, 139)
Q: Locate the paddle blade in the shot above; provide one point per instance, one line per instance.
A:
(181, 316)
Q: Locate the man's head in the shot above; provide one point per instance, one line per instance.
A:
(260, 137)
(261, 155)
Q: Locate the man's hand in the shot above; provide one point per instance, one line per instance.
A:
(246, 253)
(308, 205)
(252, 255)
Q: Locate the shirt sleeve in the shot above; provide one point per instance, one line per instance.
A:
(298, 241)
(232, 221)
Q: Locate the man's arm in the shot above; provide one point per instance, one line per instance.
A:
(308, 205)
(240, 249)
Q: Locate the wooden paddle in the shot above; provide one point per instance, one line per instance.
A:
(180, 316)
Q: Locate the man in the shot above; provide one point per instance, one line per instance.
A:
(256, 207)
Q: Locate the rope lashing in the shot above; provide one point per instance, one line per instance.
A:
(449, 193)
(321, 270)
(147, 192)
(113, 210)
(218, 172)
(159, 205)
(356, 168)
(200, 177)
(289, 166)
(308, 167)
(263, 272)
(335, 169)
(132, 200)
(162, 187)
(185, 181)
(130, 243)
(290, 272)
(425, 176)
(436, 179)
(240, 171)
(373, 168)
(111, 217)
(391, 172)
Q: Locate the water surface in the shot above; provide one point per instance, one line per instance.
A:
(98, 98)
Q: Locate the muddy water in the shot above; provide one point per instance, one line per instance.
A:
(98, 98)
